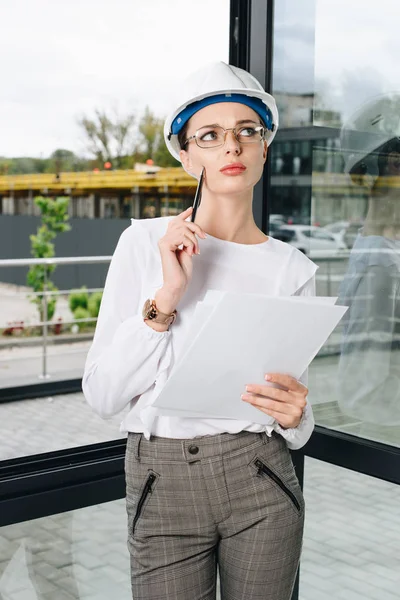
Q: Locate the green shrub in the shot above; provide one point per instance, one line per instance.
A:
(81, 313)
(94, 303)
(54, 219)
(79, 298)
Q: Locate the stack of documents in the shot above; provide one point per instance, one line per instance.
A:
(235, 339)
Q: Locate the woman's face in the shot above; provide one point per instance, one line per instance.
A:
(251, 155)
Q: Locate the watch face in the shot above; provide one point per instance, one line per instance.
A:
(149, 310)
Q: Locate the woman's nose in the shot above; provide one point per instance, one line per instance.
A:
(231, 143)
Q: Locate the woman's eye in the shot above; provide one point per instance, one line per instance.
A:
(209, 136)
(247, 131)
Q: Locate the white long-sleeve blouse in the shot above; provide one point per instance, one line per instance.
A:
(129, 363)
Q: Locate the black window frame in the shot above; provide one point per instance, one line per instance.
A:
(55, 482)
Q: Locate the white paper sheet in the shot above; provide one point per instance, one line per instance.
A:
(235, 342)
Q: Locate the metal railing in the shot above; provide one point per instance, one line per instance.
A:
(326, 277)
(46, 293)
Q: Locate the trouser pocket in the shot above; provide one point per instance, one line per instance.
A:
(264, 470)
(144, 496)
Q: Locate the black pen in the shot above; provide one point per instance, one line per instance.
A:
(197, 197)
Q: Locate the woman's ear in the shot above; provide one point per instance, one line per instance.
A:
(185, 160)
(187, 163)
(265, 151)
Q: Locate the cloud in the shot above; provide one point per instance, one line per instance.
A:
(60, 60)
(345, 51)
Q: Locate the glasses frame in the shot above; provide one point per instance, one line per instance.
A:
(233, 129)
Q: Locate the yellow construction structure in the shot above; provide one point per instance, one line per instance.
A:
(175, 180)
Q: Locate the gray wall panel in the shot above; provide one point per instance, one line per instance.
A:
(88, 237)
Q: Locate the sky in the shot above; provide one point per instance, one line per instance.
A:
(60, 60)
(346, 51)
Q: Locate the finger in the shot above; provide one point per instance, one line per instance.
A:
(185, 214)
(283, 420)
(270, 404)
(196, 229)
(277, 394)
(185, 260)
(269, 392)
(188, 245)
(189, 235)
(286, 381)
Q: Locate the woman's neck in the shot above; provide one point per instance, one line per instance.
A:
(229, 219)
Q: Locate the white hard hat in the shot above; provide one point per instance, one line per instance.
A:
(219, 82)
(368, 131)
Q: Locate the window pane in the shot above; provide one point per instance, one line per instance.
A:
(80, 554)
(351, 88)
(350, 546)
(351, 536)
(84, 124)
(46, 424)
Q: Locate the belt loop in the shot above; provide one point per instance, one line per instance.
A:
(265, 437)
(138, 439)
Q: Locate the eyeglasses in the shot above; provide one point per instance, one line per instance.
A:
(213, 136)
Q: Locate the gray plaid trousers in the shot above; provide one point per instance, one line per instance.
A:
(231, 500)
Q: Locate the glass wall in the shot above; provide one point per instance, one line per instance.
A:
(78, 555)
(351, 540)
(351, 549)
(53, 423)
(86, 86)
(335, 189)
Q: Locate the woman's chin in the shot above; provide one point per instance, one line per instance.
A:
(235, 185)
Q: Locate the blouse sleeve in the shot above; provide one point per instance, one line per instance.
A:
(296, 437)
(126, 354)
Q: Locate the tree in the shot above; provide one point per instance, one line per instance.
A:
(109, 136)
(152, 145)
(150, 129)
(163, 158)
(65, 160)
(54, 220)
(115, 139)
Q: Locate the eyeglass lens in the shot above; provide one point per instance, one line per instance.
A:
(209, 137)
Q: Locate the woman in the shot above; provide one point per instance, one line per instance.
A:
(202, 492)
(368, 384)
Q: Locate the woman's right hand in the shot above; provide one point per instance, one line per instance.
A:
(177, 263)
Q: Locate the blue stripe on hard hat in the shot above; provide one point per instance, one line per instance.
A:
(255, 103)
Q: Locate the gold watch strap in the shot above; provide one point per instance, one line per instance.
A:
(151, 312)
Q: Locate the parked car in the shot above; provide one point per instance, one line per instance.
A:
(277, 231)
(277, 219)
(344, 231)
(312, 240)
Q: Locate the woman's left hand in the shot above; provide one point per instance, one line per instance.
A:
(284, 405)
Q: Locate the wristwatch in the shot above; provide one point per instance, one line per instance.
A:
(151, 312)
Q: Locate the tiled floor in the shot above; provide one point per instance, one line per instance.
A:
(351, 547)
(352, 539)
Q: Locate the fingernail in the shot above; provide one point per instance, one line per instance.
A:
(268, 377)
(244, 398)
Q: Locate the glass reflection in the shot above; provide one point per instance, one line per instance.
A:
(335, 171)
(369, 366)
(80, 555)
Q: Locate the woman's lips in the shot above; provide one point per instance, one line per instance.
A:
(233, 169)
